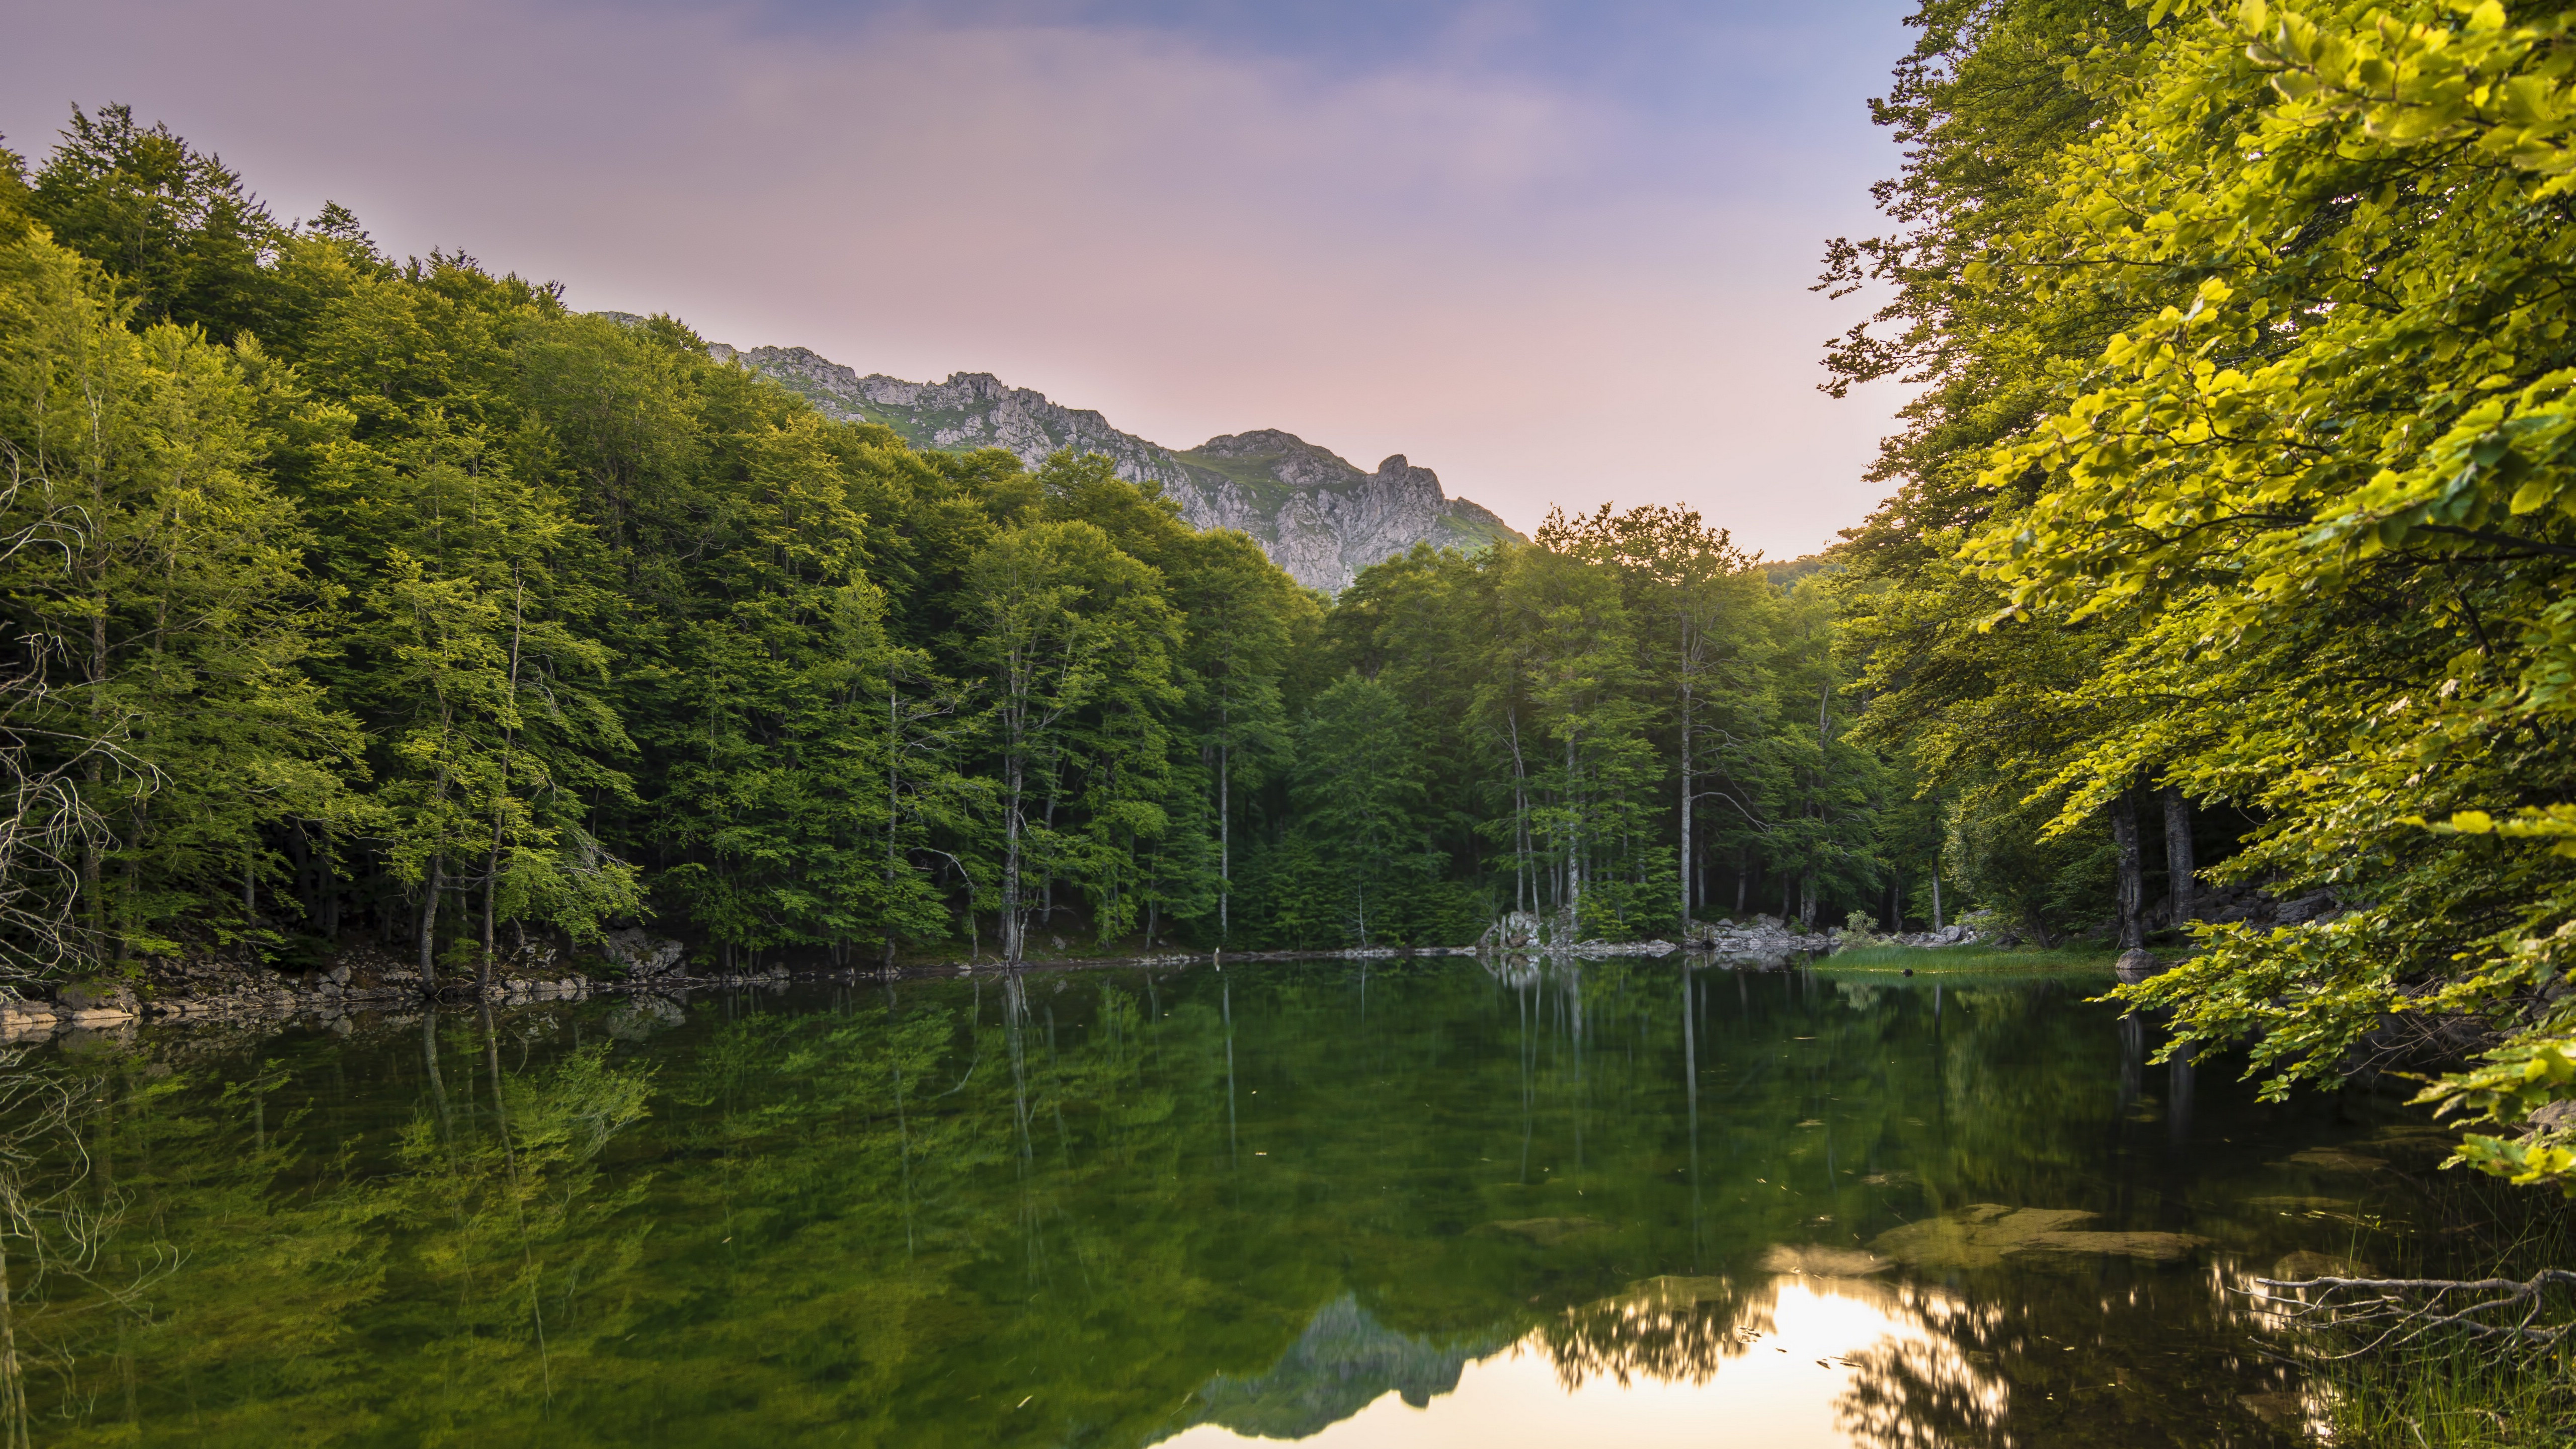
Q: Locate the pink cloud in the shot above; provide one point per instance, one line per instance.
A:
(1465, 269)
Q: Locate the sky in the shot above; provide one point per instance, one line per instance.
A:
(1558, 252)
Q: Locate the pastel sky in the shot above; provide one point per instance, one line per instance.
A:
(1557, 251)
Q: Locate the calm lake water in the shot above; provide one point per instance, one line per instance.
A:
(1416, 1203)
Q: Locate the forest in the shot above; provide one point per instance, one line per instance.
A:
(363, 600)
(357, 600)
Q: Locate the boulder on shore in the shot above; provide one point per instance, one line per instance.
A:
(2136, 965)
(642, 954)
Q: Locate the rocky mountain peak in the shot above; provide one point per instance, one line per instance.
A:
(1315, 513)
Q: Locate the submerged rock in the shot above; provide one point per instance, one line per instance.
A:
(1815, 1261)
(2336, 1159)
(2136, 965)
(2304, 1264)
(1986, 1235)
(1548, 1232)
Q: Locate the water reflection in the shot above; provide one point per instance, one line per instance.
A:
(1789, 1361)
(1448, 1200)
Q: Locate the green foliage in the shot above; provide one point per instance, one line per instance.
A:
(2279, 515)
(387, 599)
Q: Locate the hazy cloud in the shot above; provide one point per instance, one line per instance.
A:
(1551, 276)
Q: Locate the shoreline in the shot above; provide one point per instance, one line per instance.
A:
(220, 995)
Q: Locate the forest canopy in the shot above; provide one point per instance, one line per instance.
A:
(2240, 479)
(372, 602)
(361, 601)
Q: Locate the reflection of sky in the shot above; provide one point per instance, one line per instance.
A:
(1789, 1386)
(1554, 251)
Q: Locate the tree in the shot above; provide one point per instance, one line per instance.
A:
(1073, 637)
(1359, 788)
(172, 224)
(160, 619)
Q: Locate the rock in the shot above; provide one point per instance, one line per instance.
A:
(84, 997)
(1516, 931)
(1548, 1232)
(2336, 1159)
(1317, 515)
(1821, 1262)
(2137, 965)
(2304, 1264)
(643, 955)
(1985, 1235)
(1767, 941)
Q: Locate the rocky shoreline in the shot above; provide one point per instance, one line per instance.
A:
(366, 982)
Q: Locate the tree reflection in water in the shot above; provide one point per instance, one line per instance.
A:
(1105, 1207)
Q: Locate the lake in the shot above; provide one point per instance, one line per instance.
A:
(1391, 1203)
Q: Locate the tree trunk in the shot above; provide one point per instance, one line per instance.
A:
(2124, 839)
(431, 885)
(1011, 924)
(894, 803)
(1521, 892)
(2178, 855)
(1686, 811)
(1224, 840)
(1573, 848)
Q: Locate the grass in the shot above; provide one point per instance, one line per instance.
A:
(2457, 1399)
(2451, 1394)
(1970, 957)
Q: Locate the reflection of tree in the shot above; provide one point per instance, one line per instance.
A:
(2033, 1359)
(1669, 1329)
(893, 1215)
(57, 1218)
(1924, 1390)
(506, 1220)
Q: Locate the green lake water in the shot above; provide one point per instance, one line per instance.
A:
(1403, 1203)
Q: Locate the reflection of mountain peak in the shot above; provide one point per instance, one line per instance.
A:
(1342, 1363)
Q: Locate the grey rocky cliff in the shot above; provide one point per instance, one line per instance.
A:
(1321, 518)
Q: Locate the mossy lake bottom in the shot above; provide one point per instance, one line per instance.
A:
(1397, 1203)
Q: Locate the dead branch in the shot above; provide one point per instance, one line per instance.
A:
(2397, 1313)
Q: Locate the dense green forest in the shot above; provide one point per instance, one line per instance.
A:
(2227, 545)
(2240, 476)
(360, 600)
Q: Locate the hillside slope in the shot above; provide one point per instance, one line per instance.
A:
(1319, 516)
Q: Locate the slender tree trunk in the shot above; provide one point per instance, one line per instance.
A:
(894, 799)
(1224, 839)
(1686, 807)
(1013, 781)
(326, 866)
(1520, 811)
(1936, 893)
(501, 796)
(2124, 839)
(2178, 856)
(92, 886)
(431, 885)
(1573, 847)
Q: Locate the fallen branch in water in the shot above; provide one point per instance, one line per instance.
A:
(2405, 1310)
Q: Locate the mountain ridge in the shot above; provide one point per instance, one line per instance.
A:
(1316, 514)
